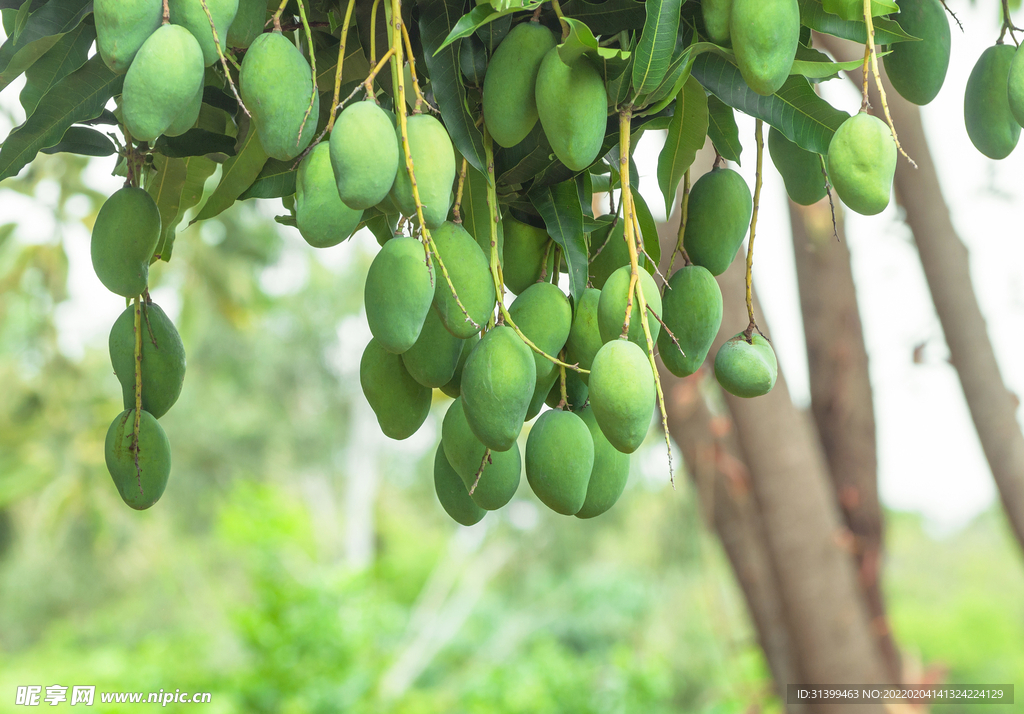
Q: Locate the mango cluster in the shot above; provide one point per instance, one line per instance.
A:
(994, 101)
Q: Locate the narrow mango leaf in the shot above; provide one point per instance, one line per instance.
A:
(355, 66)
(494, 32)
(78, 97)
(608, 17)
(70, 53)
(813, 15)
(476, 215)
(477, 18)
(649, 229)
(197, 170)
(854, 9)
(559, 206)
(722, 129)
(165, 186)
(238, 174)
(276, 180)
(813, 64)
(195, 142)
(84, 141)
(41, 31)
(657, 44)
(675, 76)
(686, 134)
(585, 188)
(382, 226)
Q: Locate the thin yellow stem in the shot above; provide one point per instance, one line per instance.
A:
(167, 13)
(558, 13)
(759, 138)
(561, 377)
(492, 209)
(684, 210)
(341, 64)
(277, 15)
(420, 99)
(223, 60)
(456, 209)
(373, 31)
(138, 387)
(878, 79)
(312, 62)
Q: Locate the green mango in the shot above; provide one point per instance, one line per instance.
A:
(433, 160)
(454, 386)
(559, 459)
(573, 107)
(800, 169)
(473, 60)
(452, 494)
(540, 395)
(611, 308)
(693, 312)
(276, 84)
(990, 122)
(585, 336)
(719, 215)
(609, 252)
(470, 274)
(365, 155)
(163, 359)
(191, 15)
(164, 77)
(434, 356)
(918, 69)
(525, 249)
(862, 163)
(544, 315)
(622, 394)
(1015, 86)
(142, 484)
(322, 218)
(398, 293)
(765, 35)
(122, 26)
(716, 19)
(746, 369)
(576, 391)
(499, 479)
(188, 116)
(497, 383)
(124, 237)
(611, 471)
(248, 23)
(399, 401)
(510, 85)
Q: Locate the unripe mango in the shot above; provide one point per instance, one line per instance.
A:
(432, 359)
(610, 473)
(862, 163)
(122, 26)
(141, 484)
(544, 315)
(276, 84)
(608, 253)
(540, 395)
(559, 459)
(509, 103)
(164, 77)
(918, 69)
(693, 312)
(321, 216)
(452, 493)
(454, 386)
(573, 107)
(163, 359)
(191, 15)
(576, 391)
(470, 274)
(525, 249)
(765, 34)
(716, 19)
(399, 401)
(248, 23)
(499, 479)
(991, 125)
(611, 308)
(187, 117)
(622, 394)
(497, 384)
(398, 293)
(124, 237)
(1015, 86)
(746, 369)
(800, 169)
(719, 214)
(365, 154)
(585, 336)
(433, 160)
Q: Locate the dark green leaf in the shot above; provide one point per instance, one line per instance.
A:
(649, 229)
(41, 32)
(813, 15)
(477, 18)
(382, 226)
(70, 53)
(195, 142)
(559, 206)
(165, 186)
(82, 140)
(106, 118)
(722, 129)
(657, 44)
(276, 180)
(608, 17)
(197, 170)
(494, 32)
(686, 134)
(238, 174)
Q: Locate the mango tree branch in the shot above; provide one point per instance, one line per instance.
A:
(341, 63)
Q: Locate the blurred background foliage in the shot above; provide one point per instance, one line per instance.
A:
(240, 582)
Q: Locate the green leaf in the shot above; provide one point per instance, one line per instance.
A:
(813, 15)
(78, 97)
(165, 186)
(382, 226)
(686, 134)
(82, 140)
(477, 18)
(722, 129)
(70, 53)
(197, 170)
(608, 17)
(195, 142)
(41, 31)
(854, 9)
(817, 65)
(559, 206)
(579, 41)
(649, 229)
(657, 44)
(276, 180)
(437, 18)
(239, 173)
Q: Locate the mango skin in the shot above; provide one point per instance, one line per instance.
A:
(453, 388)
(400, 402)
(188, 116)
(622, 394)
(765, 34)
(800, 169)
(322, 218)
(124, 237)
(190, 15)
(862, 163)
(716, 15)
(164, 77)
(139, 487)
(719, 215)
(452, 494)
(498, 382)
(398, 293)
(576, 392)
(434, 356)
(693, 312)
(585, 336)
(499, 480)
(524, 252)
(163, 359)
(991, 125)
(122, 26)
(433, 159)
(470, 274)
(572, 104)
(559, 459)
(1015, 86)
(365, 154)
(918, 69)
(611, 308)
(248, 23)
(275, 84)
(544, 315)
(608, 253)
(746, 369)
(610, 474)
(509, 103)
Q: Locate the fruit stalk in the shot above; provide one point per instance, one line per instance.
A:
(458, 192)
(138, 387)
(341, 63)
(683, 210)
(420, 99)
(312, 63)
(870, 54)
(759, 137)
